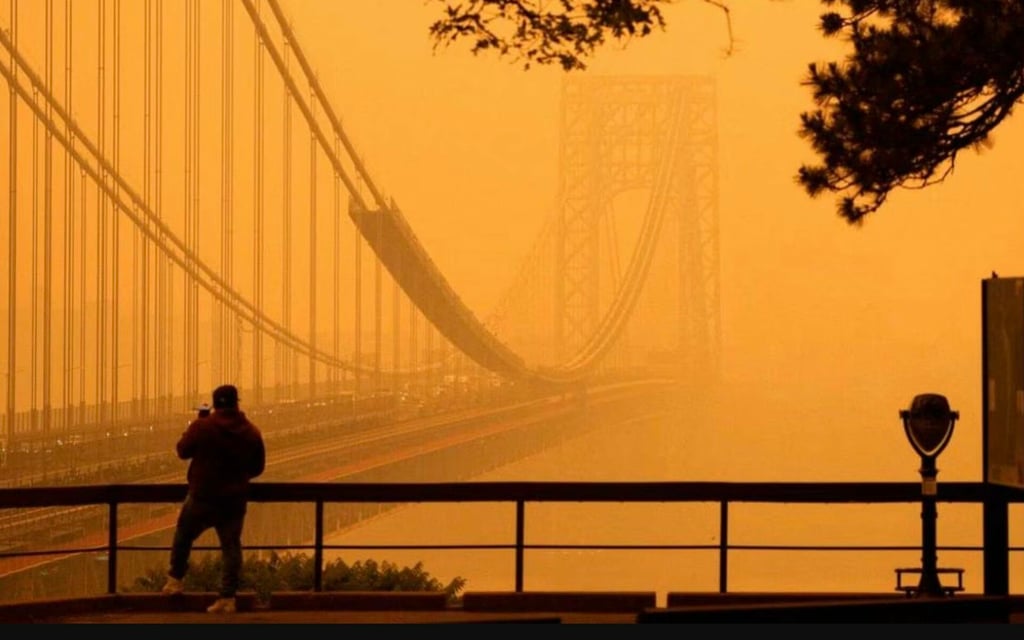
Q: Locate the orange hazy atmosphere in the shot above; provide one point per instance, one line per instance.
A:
(827, 329)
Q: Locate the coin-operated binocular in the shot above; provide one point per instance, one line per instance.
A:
(928, 424)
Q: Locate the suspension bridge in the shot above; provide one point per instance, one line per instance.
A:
(184, 208)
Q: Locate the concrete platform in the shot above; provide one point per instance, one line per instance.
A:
(517, 608)
(303, 607)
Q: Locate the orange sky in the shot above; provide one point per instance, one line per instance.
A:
(826, 327)
(848, 320)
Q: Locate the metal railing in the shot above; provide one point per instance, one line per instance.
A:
(995, 501)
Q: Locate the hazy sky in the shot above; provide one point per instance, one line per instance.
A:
(827, 328)
(848, 323)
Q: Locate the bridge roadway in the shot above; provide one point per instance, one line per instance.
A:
(308, 452)
(156, 462)
(122, 451)
(367, 453)
(287, 430)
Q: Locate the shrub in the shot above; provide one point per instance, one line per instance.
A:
(294, 572)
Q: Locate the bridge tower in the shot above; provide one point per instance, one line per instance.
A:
(614, 137)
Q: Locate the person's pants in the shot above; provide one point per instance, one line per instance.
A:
(226, 516)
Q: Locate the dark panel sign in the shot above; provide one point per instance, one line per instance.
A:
(1003, 388)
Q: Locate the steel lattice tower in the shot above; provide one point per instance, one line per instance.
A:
(613, 138)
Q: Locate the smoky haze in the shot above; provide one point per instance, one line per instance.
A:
(827, 329)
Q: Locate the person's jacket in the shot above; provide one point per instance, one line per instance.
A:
(226, 452)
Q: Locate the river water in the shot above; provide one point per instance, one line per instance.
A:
(668, 447)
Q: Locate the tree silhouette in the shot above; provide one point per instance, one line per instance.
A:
(925, 79)
(563, 32)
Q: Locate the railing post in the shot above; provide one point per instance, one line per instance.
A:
(520, 534)
(112, 547)
(996, 536)
(723, 547)
(318, 548)
(929, 585)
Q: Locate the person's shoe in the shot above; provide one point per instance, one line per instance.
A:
(173, 586)
(222, 605)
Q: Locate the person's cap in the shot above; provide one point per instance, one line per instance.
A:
(225, 396)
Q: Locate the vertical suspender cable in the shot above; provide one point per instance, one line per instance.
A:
(12, 241)
(161, 355)
(358, 329)
(140, 247)
(34, 291)
(258, 231)
(218, 355)
(192, 196)
(283, 362)
(48, 235)
(337, 375)
(83, 251)
(428, 355)
(193, 290)
(312, 258)
(101, 222)
(413, 323)
(187, 204)
(190, 217)
(69, 228)
(227, 183)
(378, 311)
(115, 224)
(396, 332)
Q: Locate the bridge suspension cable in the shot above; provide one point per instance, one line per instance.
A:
(154, 228)
(377, 219)
(389, 234)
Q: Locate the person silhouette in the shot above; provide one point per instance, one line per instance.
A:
(226, 452)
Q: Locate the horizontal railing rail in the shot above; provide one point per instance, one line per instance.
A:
(994, 498)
